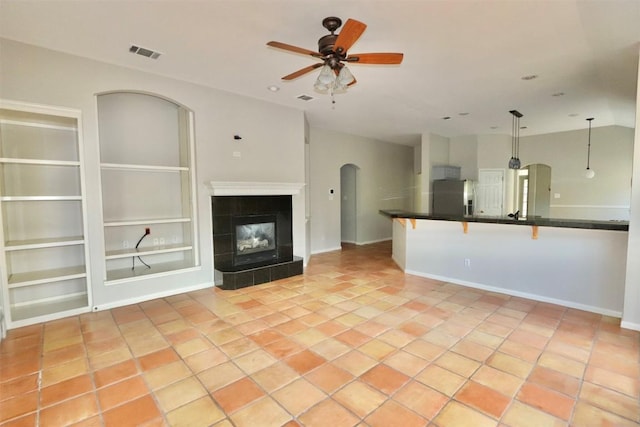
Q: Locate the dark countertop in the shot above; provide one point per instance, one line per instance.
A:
(539, 221)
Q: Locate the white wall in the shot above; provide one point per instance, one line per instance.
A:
(272, 145)
(385, 178)
(631, 313)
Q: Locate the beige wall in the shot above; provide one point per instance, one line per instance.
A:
(272, 146)
(384, 181)
(605, 197)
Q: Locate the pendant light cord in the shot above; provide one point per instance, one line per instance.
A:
(589, 143)
(513, 136)
(517, 137)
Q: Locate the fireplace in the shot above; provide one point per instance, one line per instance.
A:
(252, 239)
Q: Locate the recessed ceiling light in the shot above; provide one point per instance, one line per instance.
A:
(558, 94)
(446, 118)
(494, 127)
(273, 88)
(573, 115)
(529, 77)
(523, 127)
(463, 114)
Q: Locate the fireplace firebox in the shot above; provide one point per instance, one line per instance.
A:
(254, 239)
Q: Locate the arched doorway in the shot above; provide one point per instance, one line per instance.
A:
(349, 203)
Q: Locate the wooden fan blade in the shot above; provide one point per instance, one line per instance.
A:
(376, 58)
(302, 71)
(295, 49)
(351, 32)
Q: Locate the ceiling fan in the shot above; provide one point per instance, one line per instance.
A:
(332, 52)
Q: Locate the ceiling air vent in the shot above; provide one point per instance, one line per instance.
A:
(144, 52)
(304, 97)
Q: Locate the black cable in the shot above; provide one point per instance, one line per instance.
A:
(133, 259)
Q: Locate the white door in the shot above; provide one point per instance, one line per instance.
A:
(490, 192)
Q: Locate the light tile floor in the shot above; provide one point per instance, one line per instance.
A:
(353, 341)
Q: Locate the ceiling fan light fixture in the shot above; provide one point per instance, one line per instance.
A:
(326, 76)
(321, 87)
(345, 77)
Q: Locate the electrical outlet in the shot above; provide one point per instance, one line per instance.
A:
(125, 244)
(155, 242)
(467, 262)
(162, 240)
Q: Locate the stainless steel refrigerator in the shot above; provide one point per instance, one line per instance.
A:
(453, 197)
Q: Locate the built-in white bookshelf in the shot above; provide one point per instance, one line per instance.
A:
(146, 151)
(43, 244)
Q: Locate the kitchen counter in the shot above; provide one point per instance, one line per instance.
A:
(574, 263)
(535, 221)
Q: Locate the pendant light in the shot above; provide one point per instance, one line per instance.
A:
(514, 161)
(589, 173)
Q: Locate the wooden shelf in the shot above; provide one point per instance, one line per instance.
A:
(41, 164)
(144, 168)
(41, 198)
(149, 250)
(144, 187)
(146, 222)
(18, 245)
(126, 274)
(32, 278)
(17, 161)
(36, 310)
(37, 125)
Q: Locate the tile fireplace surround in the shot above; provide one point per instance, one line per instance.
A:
(231, 199)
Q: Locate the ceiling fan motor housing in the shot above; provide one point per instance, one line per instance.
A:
(326, 44)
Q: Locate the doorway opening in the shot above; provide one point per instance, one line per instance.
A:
(349, 203)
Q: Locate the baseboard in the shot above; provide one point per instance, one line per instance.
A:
(630, 325)
(370, 242)
(148, 297)
(322, 251)
(534, 297)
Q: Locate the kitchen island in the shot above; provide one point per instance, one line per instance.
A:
(575, 263)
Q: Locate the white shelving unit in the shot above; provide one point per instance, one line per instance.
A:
(146, 149)
(43, 250)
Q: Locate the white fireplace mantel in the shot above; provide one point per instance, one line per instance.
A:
(236, 188)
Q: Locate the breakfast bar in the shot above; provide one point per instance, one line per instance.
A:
(574, 263)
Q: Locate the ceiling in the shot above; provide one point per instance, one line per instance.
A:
(463, 59)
